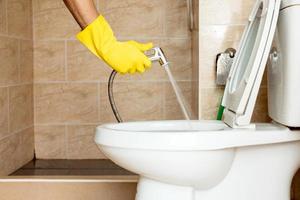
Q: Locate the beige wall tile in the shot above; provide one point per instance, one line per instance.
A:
(155, 73)
(213, 40)
(19, 18)
(195, 73)
(196, 14)
(172, 107)
(49, 60)
(260, 113)
(178, 52)
(26, 61)
(176, 19)
(50, 142)
(3, 112)
(225, 12)
(135, 101)
(134, 18)
(8, 61)
(20, 107)
(195, 56)
(210, 102)
(16, 150)
(8, 152)
(3, 20)
(26, 147)
(53, 20)
(80, 143)
(70, 102)
(83, 65)
(195, 98)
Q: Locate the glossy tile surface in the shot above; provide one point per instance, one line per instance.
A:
(50, 142)
(16, 85)
(135, 101)
(16, 151)
(3, 112)
(9, 62)
(83, 65)
(3, 19)
(49, 60)
(21, 107)
(26, 61)
(19, 18)
(80, 142)
(70, 102)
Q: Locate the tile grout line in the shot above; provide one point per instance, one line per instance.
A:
(33, 68)
(19, 61)
(66, 60)
(227, 24)
(16, 132)
(34, 102)
(6, 18)
(98, 101)
(66, 141)
(122, 81)
(8, 110)
(14, 37)
(67, 124)
(164, 17)
(17, 84)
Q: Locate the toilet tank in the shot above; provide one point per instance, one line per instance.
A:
(284, 67)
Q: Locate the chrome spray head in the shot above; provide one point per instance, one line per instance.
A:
(157, 54)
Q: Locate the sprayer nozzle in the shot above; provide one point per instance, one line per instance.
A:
(157, 54)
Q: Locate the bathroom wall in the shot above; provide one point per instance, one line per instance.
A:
(195, 57)
(221, 25)
(16, 85)
(70, 84)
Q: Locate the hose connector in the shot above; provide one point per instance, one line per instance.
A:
(157, 54)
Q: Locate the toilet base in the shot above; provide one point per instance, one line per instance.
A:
(263, 172)
(153, 190)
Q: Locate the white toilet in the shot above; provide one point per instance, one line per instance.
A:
(234, 159)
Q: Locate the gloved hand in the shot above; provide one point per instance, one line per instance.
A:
(124, 57)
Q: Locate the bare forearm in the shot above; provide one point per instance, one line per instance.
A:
(84, 11)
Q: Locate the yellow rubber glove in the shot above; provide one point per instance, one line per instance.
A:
(124, 57)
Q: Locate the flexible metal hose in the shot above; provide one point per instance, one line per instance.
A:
(155, 54)
(111, 96)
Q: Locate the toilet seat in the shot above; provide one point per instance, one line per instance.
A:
(249, 64)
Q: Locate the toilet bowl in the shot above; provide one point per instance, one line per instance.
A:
(204, 159)
(230, 159)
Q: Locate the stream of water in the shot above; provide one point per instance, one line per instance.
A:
(180, 98)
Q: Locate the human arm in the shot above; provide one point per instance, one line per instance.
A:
(98, 37)
(84, 11)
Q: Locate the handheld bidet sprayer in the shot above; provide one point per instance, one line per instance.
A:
(155, 54)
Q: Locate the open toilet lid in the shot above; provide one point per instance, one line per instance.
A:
(249, 64)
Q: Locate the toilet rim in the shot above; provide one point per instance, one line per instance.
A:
(109, 136)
